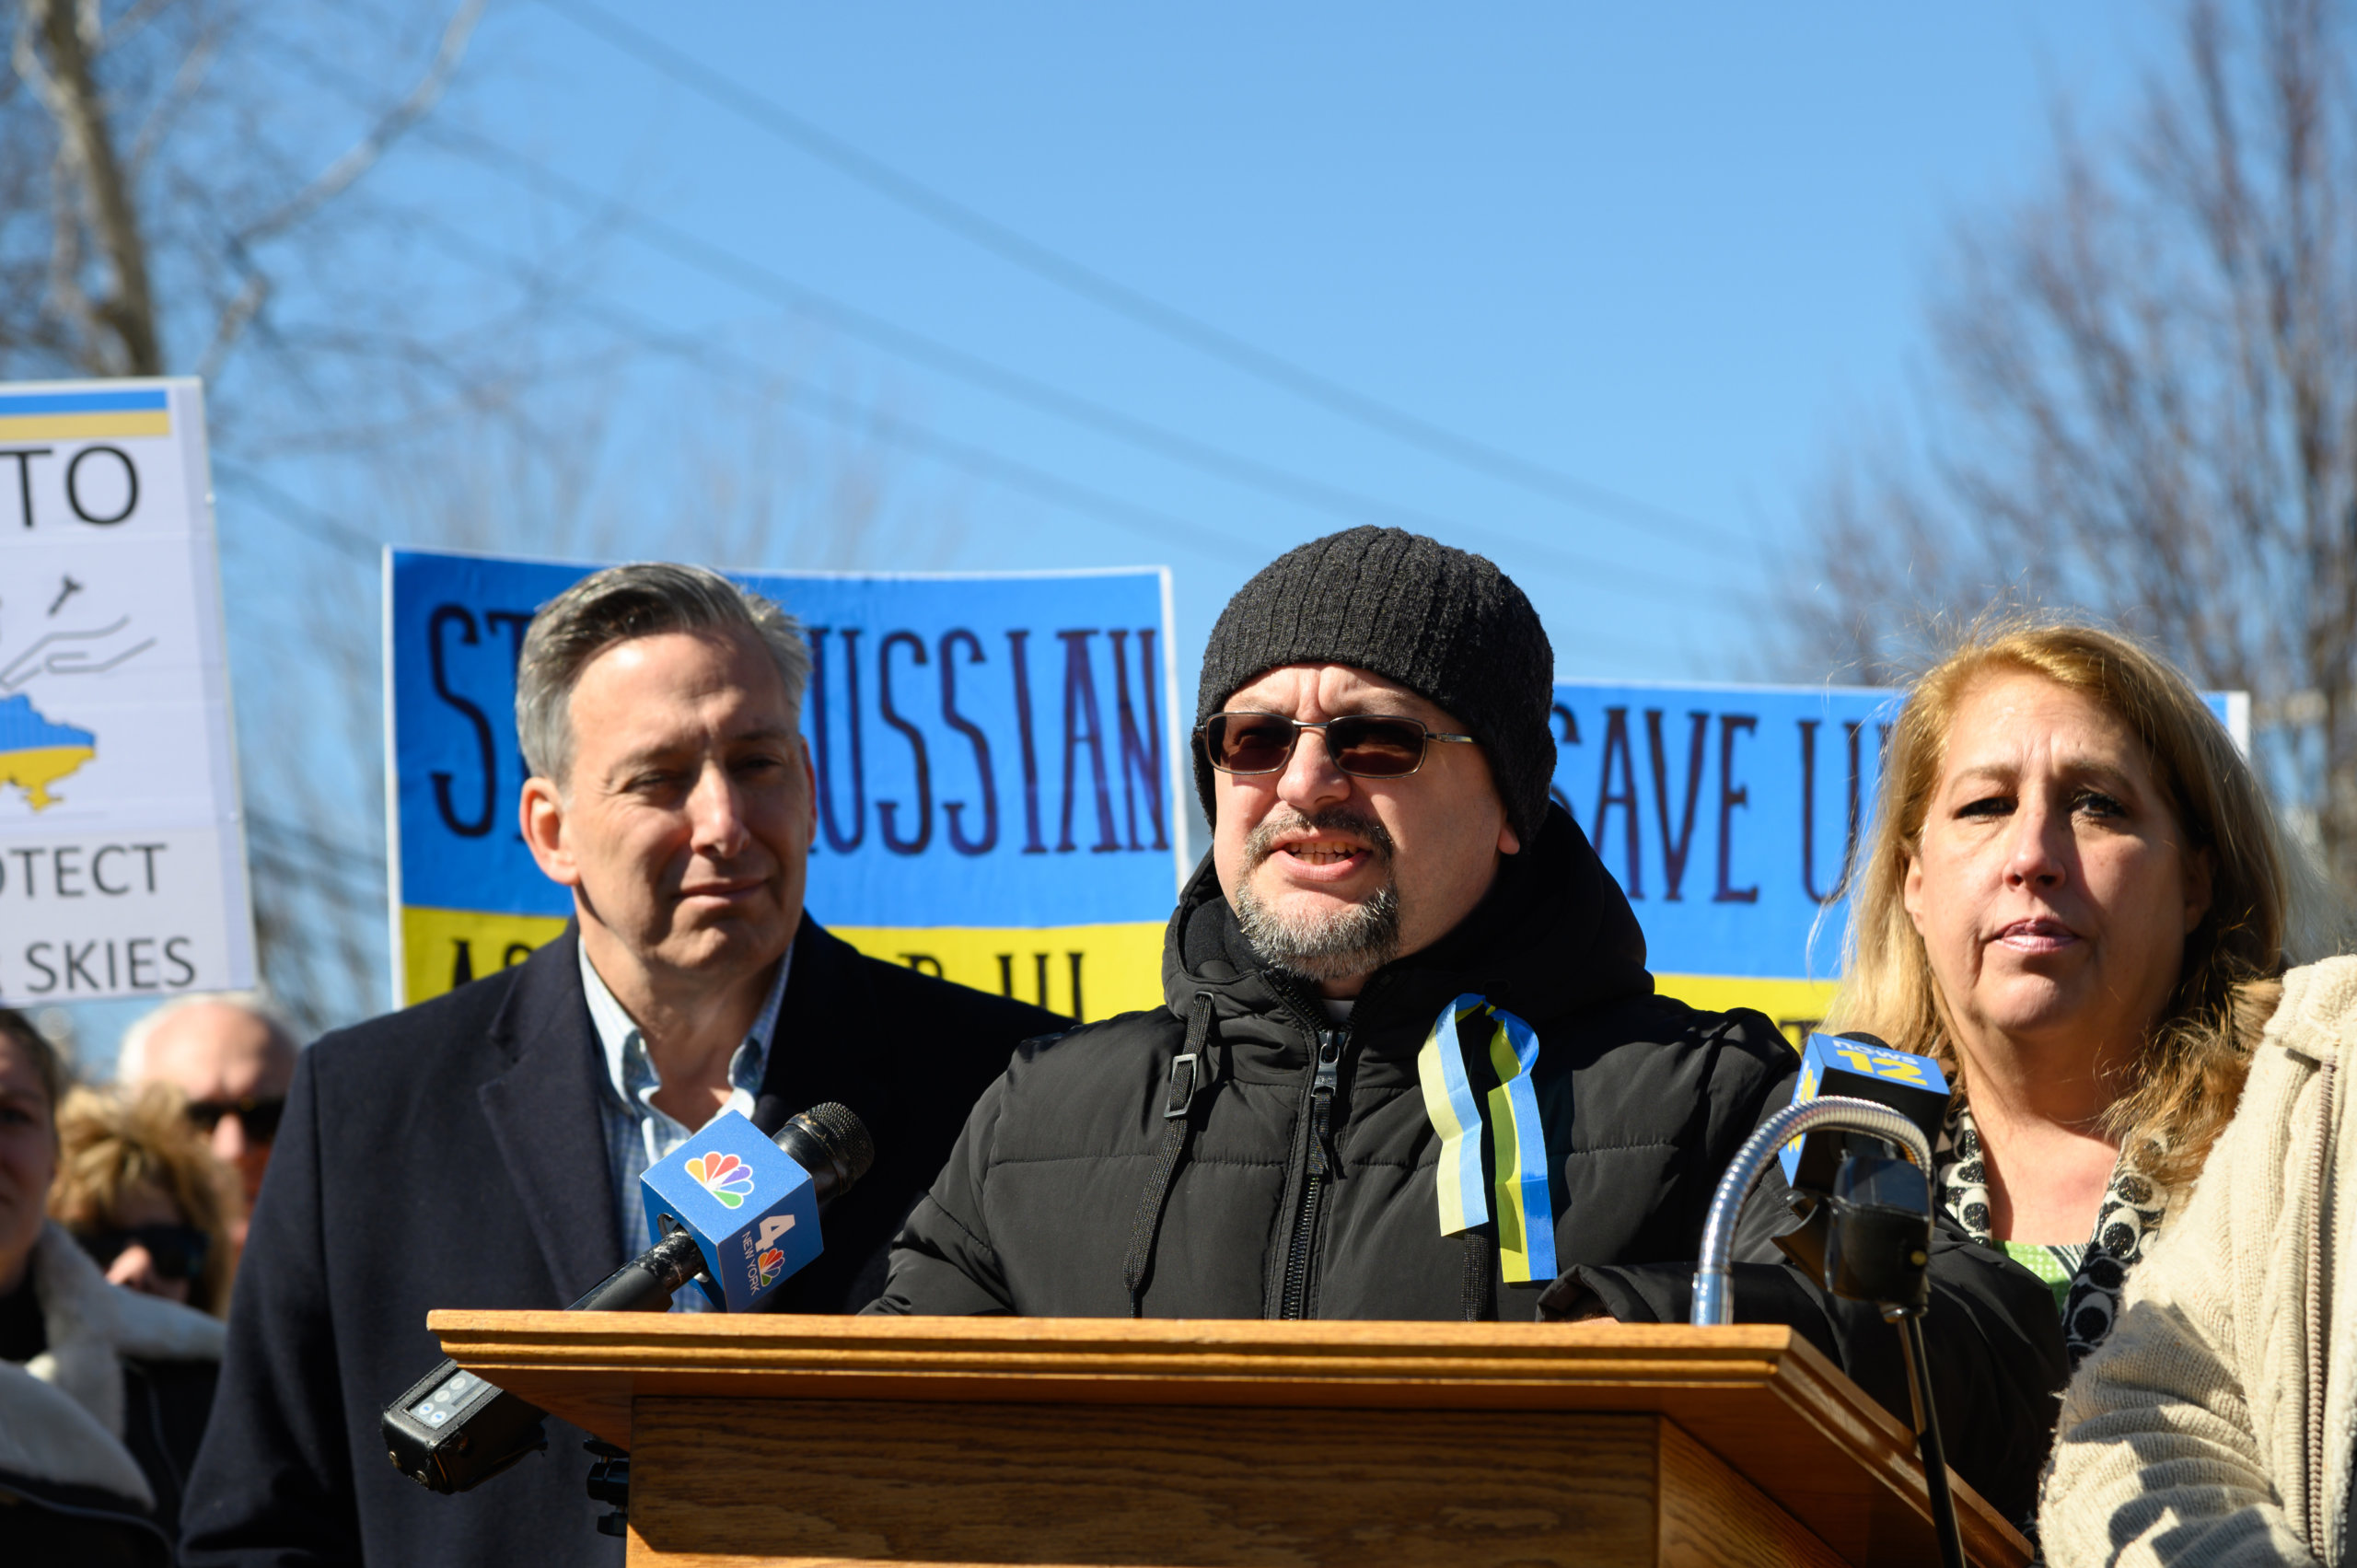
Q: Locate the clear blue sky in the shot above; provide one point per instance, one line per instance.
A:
(1673, 252)
(1669, 250)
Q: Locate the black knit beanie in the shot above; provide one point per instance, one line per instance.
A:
(1442, 623)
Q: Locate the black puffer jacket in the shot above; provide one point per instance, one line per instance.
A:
(1643, 1100)
(1049, 1203)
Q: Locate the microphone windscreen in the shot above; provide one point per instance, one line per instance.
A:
(844, 1138)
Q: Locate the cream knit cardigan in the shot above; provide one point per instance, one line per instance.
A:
(2214, 1426)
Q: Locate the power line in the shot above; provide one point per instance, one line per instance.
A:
(1119, 298)
(890, 431)
(763, 282)
(702, 351)
(904, 434)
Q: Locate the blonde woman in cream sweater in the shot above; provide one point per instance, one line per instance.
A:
(2215, 1424)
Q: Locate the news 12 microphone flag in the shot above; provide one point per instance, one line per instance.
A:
(998, 758)
(1736, 819)
(122, 855)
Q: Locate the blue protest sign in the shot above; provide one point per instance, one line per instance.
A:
(998, 760)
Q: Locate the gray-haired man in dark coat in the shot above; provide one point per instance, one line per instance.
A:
(482, 1149)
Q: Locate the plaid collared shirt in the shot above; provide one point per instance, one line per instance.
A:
(637, 1134)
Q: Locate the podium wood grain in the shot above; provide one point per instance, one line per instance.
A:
(947, 1441)
(1172, 1485)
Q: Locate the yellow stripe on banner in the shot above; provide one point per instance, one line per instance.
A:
(1797, 1006)
(1082, 971)
(1112, 969)
(442, 949)
(85, 426)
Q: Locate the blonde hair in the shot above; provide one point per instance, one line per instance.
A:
(111, 1143)
(2190, 1071)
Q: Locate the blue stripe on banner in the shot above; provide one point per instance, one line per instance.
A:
(137, 399)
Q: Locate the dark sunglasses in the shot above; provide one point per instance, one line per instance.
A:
(260, 1117)
(1366, 746)
(179, 1250)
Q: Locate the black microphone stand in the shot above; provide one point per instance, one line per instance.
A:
(1927, 1433)
(1876, 1230)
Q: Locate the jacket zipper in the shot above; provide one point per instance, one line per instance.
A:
(1319, 1163)
(2316, 1312)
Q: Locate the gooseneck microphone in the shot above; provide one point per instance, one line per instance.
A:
(1714, 1277)
(738, 1213)
(1869, 1237)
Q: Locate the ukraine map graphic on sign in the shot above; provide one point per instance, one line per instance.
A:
(35, 752)
(997, 760)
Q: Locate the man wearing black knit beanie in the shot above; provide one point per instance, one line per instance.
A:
(1410, 1064)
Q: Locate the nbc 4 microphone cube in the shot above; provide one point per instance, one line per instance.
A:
(754, 1212)
(1860, 1067)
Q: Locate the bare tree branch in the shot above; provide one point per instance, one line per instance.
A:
(332, 181)
(120, 328)
(2146, 405)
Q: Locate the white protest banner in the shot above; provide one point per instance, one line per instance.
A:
(123, 867)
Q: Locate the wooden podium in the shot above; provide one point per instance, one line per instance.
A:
(966, 1441)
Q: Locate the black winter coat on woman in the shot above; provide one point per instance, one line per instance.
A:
(1309, 1188)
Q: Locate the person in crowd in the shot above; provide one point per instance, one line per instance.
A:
(146, 1199)
(483, 1149)
(1411, 1064)
(103, 1392)
(2076, 899)
(231, 1056)
(2214, 1425)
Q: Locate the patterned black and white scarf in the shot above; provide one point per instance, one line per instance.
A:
(2129, 1218)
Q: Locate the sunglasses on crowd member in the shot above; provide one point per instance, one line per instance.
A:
(259, 1117)
(178, 1251)
(1366, 746)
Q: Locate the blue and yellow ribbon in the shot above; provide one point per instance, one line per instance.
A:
(1525, 1210)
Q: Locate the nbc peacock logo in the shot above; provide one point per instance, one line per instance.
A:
(726, 1177)
(771, 1261)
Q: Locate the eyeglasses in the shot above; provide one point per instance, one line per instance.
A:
(259, 1117)
(1366, 746)
(179, 1250)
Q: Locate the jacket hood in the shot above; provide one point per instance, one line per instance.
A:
(93, 1325)
(1554, 935)
(47, 1436)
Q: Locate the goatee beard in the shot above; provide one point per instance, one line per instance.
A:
(1337, 945)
